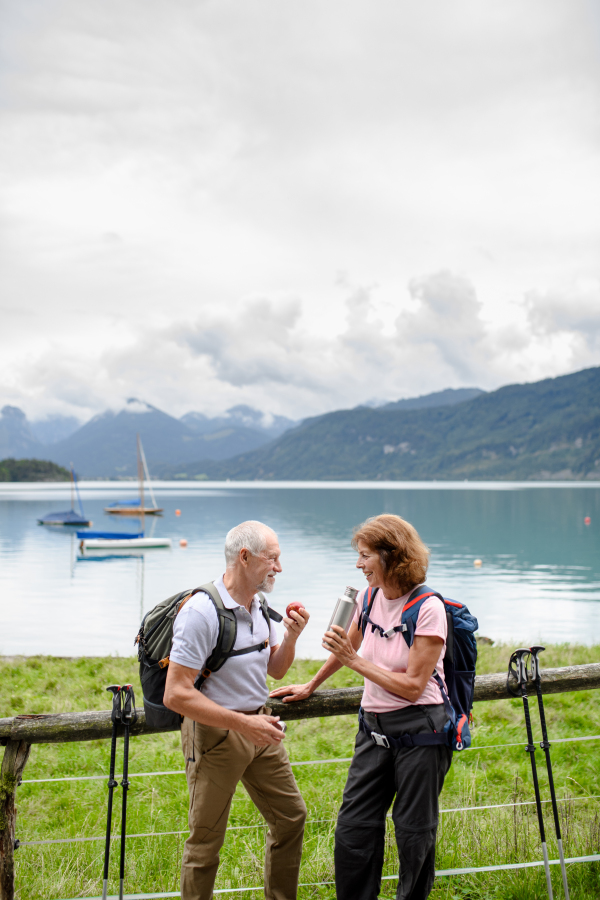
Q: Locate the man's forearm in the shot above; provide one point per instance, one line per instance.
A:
(196, 706)
(282, 659)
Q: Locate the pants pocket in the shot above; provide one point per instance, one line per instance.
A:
(209, 738)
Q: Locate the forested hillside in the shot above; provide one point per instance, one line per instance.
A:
(549, 429)
(31, 470)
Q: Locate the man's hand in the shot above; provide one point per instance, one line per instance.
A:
(293, 692)
(338, 643)
(262, 730)
(296, 623)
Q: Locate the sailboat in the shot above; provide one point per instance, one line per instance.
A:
(115, 540)
(137, 507)
(68, 517)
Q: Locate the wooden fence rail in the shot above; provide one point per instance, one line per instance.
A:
(18, 733)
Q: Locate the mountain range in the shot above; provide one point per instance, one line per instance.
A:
(546, 430)
(104, 447)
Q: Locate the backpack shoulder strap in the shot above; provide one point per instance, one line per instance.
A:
(223, 649)
(368, 600)
(412, 608)
(267, 612)
(225, 638)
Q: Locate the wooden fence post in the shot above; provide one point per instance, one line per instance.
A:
(15, 757)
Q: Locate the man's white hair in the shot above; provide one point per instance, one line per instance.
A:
(251, 535)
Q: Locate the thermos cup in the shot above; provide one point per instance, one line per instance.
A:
(344, 609)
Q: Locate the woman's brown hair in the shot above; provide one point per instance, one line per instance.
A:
(404, 557)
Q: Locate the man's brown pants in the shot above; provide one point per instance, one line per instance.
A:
(216, 760)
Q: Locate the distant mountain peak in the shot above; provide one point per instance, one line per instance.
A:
(137, 407)
(13, 412)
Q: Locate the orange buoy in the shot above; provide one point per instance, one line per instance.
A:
(587, 521)
(183, 542)
(477, 563)
(177, 512)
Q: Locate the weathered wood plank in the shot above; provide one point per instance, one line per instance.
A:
(13, 763)
(96, 725)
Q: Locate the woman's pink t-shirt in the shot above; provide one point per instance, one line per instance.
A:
(391, 653)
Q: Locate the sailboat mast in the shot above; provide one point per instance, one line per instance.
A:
(72, 489)
(140, 479)
(147, 473)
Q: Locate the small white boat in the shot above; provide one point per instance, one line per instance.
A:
(123, 543)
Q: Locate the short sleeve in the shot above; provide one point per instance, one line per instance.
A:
(432, 619)
(273, 636)
(195, 634)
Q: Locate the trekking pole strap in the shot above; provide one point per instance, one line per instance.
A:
(401, 740)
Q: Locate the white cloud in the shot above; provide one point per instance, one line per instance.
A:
(574, 310)
(218, 163)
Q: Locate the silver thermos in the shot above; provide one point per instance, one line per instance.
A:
(344, 609)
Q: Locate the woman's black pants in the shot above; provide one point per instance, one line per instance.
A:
(415, 776)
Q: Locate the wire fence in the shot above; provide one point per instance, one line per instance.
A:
(314, 762)
(456, 809)
(306, 762)
(440, 873)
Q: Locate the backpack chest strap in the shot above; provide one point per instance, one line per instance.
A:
(366, 619)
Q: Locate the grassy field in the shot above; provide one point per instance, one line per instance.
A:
(499, 775)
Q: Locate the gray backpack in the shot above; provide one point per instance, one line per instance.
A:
(155, 639)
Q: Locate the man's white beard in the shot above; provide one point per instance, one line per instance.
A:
(266, 585)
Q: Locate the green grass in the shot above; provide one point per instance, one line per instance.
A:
(159, 804)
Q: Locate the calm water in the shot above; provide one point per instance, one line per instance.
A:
(540, 578)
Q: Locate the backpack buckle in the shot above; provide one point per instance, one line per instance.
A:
(380, 739)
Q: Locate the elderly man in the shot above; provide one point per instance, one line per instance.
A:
(227, 733)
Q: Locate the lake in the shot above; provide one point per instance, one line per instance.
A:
(539, 580)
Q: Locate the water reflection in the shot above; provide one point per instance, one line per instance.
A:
(540, 578)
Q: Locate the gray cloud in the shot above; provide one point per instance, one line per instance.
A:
(262, 353)
(448, 320)
(575, 310)
(161, 161)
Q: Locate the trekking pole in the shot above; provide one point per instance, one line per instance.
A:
(545, 746)
(128, 717)
(112, 784)
(517, 667)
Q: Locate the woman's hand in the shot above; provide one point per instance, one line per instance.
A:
(338, 643)
(293, 692)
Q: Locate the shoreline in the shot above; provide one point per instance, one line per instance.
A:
(12, 488)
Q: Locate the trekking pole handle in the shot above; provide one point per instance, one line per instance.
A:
(535, 663)
(517, 667)
(129, 714)
(116, 702)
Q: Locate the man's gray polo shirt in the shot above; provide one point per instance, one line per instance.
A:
(242, 682)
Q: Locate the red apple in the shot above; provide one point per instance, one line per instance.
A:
(295, 605)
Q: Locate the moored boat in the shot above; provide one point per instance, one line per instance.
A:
(68, 517)
(115, 540)
(138, 506)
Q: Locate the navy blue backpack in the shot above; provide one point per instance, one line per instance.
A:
(459, 661)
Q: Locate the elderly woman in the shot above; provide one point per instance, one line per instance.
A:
(401, 697)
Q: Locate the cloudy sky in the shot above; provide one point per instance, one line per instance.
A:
(299, 206)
